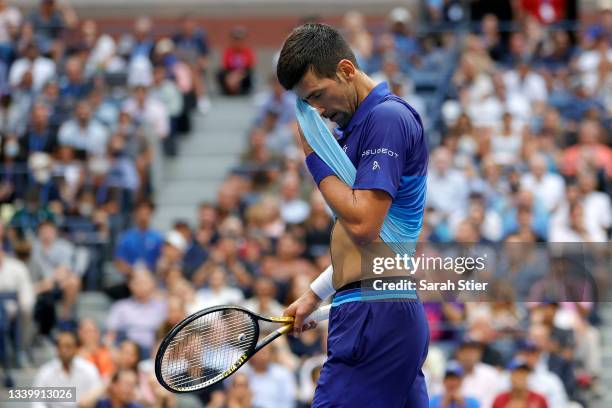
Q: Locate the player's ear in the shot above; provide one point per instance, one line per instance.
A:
(346, 71)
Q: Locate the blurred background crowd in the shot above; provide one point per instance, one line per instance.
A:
(516, 97)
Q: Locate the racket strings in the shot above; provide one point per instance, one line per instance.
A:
(206, 347)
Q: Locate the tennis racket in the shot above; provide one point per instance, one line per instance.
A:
(210, 345)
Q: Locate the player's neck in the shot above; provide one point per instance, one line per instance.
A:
(363, 86)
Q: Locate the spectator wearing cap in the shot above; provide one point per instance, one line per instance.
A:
(540, 379)
(480, 381)
(238, 62)
(52, 264)
(520, 394)
(83, 132)
(138, 317)
(172, 253)
(68, 369)
(140, 243)
(41, 69)
(40, 165)
(451, 397)
(406, 45)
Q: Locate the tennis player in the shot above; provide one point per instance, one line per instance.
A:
(376, 348)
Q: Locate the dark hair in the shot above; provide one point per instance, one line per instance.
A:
(67, 332)
(319, 47)
(144, 202)
(117, 374)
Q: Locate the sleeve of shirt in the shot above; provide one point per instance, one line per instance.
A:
(122, 251)
(113, 321)
(388, 138)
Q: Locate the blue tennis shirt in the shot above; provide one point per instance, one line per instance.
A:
(385, 142)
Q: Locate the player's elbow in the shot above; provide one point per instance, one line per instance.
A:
(364, 233)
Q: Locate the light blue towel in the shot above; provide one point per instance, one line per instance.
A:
(401, 228)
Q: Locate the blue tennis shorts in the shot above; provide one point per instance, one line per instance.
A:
(376, 348)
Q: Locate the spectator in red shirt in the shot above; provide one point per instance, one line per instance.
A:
(519, 394)
(235, 76)
(545, 11)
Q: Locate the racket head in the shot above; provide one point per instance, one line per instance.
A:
(206, 347)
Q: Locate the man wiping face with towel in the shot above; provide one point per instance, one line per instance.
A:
(372, 173)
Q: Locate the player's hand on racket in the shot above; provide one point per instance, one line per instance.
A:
(300, 309)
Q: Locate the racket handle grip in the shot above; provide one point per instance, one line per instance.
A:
(318, 315)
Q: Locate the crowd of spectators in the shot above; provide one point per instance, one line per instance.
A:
(523, 157)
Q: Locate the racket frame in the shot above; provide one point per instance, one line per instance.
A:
(254, 348)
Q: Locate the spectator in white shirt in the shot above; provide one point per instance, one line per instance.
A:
(53, 268)
(84, 133)
(15, 277)
(10, 20)
(293, 209)
(67, 370)
(263, 302)
(547, 187)
(574, 229)
(148, 111)
(42, 69)
(446, 187)
(506, 143)
(272, 385)
(481, 381)
(217, 292)
(139, 316)
(597, 209)
(524, 81)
